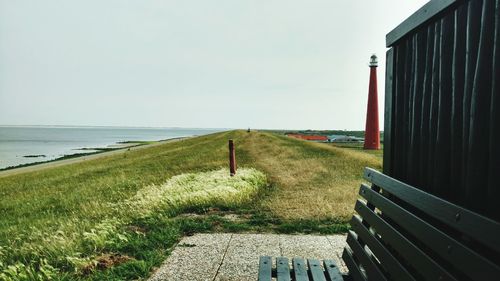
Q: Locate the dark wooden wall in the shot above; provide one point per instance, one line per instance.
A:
(442, 129)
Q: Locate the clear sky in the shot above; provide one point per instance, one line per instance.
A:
(291, 64)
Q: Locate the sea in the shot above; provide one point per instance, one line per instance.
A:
(29, 144)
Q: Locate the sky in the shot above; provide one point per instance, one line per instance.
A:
(269, 64)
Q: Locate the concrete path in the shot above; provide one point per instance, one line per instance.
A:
(224, 257)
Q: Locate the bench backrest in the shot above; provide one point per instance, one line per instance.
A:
(403, 233)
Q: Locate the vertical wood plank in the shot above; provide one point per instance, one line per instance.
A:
(493, 191)
(426, 109)
(410, 112)
(398, 111)
(425, 104)
(472, 40)
(458, 75)
(434, 107)
(442, 153)
(388, 111)
(404, 147)
(478, 153)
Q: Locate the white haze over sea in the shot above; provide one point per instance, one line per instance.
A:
(53, 142)
(282, 64)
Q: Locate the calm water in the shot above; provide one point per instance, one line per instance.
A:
(55, 142)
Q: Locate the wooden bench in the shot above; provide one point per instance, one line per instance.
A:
(403, 233)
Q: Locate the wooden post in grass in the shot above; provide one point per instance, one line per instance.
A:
(232, 159)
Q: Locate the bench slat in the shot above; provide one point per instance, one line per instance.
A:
(354, 270)
(316, 270)
(391, 264)
(448, 248)
(265, 268)
(300, 269)
(482, 229)
(283, 269)
(332, 271)
(403, 233)
(425, 265)
(371, 268)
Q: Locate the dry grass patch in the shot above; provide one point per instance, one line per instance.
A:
(106, 261)
(315, 181)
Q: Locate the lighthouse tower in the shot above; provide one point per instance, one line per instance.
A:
(372, 133)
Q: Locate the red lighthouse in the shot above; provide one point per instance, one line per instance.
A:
(372, 134)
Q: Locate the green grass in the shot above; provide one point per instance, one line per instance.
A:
(359, 147)
(116, 217)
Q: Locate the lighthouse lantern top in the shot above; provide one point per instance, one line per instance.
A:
(373, 60)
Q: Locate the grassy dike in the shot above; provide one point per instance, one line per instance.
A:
(117, 217)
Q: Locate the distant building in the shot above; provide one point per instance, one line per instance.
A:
(344, 138)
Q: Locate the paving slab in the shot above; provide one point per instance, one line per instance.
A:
(196, 258)
(228, 257)
(243, 255)
(314, 247)
(306, 246)
(338, 243)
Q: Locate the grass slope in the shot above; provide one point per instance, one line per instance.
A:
(312, 188)
(315, 180)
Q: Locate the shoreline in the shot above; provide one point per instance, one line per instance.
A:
(67, 156)
(80, 157)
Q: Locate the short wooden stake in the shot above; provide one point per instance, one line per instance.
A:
(232, 159)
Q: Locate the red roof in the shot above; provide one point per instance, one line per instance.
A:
(309, 137)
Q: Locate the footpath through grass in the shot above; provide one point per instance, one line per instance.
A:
(117, 217)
